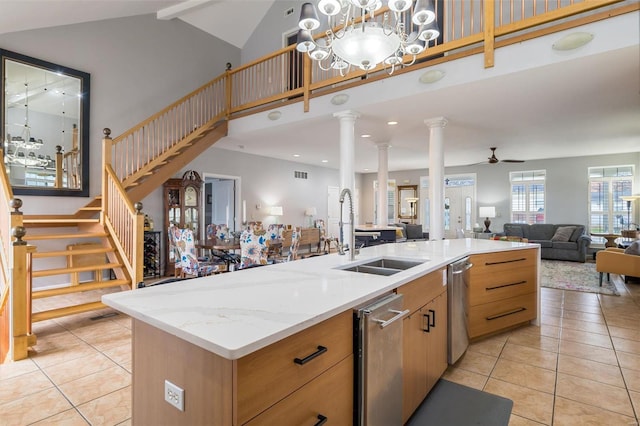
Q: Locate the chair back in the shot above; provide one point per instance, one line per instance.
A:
(189, 263)
(173, 234)
(274, 232)
(253, 249)
(320, 225)
(295, 242)
(211, 231)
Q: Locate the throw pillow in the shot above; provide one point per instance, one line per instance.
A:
(563, 233)
(414, 232)
(634, 248)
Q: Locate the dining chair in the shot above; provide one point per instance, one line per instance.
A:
(173, 234)
(189, 263)
(295, 242)
(253, 248)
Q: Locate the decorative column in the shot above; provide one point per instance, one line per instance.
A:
(347, 173)
(436, 177)
(383, 177)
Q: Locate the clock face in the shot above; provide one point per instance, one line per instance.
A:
(190, 196)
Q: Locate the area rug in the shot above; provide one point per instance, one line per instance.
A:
(453, 404)
(574, 276)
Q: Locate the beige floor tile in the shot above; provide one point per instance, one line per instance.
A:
(66, 418)
(629, 361)
(98, 384)
(111, 340)
(491, 346)
(477, 362)
(588, 369)
(582, 298)
(528, 403)
(569, 412)
(125, 423)
(21, 411)
(93, 332)
(534, 341)
(515, 420)
(555, 321)
(632, 379)
(624, 333)
(110, 409)
(582, 316)
(525, 375)
(592, 327)
(623, 322)
(591, 392)
(552, 312)
(593, 353)
(635, 400)
(531, 356)
(120, 354)
(465, 377)
(71, 370)
(16, 368)
(591, 309)
(625, 345)
(59, 355)
(23, 385)
(600, 340)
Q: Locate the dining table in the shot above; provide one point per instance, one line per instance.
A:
(222, 249)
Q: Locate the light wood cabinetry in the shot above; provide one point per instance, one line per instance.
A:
(182, 205)
(298, 380)
(424, 348)
(502, 290)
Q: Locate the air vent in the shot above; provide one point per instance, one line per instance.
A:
(288, 12)
(300, 175)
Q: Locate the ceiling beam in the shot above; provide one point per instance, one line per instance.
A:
(183, 8)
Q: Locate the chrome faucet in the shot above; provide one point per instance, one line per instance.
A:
(352, 239)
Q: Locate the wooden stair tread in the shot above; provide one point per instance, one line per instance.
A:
(88, 286)
(74, 252)
(30, 237)
(65, 221)
(68, 310)
(88, 268)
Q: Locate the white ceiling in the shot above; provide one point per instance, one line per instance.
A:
(585, 104)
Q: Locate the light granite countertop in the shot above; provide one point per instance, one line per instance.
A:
(237, 313)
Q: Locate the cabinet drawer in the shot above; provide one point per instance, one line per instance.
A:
(329, 395)
(487, 287)
(495, 316)
(500, 262)
(270, 374)
(424, 289)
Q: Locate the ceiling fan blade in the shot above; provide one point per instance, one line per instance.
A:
(512, 161)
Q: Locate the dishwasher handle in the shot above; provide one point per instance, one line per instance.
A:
(467, 266)
(399, 315)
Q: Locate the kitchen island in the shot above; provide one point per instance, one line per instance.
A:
(210, 335)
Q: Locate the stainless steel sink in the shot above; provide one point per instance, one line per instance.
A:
(383, 266)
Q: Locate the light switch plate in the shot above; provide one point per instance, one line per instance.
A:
(174, 395)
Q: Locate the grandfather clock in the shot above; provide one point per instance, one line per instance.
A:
(181, 208)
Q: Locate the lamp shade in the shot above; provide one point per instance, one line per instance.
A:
(487, 211)
(310, 211)
(276, 211)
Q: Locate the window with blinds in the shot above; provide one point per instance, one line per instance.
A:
(528, 196)
(608, 212)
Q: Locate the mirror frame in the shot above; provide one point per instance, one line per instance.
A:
(85, 82)
(413, 189)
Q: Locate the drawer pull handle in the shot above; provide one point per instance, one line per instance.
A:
(515, 311)
(505, 261)
(321, 420)
(320, 351)
(506, 285)
(429, 320)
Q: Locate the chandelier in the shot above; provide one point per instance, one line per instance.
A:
(363, 41)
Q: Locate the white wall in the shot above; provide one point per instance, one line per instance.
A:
(566, 185)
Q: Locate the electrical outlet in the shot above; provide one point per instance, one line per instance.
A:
(174, 395)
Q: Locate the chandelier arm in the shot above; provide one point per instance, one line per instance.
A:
(413, 61)
(320, 64)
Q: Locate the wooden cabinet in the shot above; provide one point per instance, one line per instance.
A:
(424, 347)
(182, 206)
(502, 290)
(308, 236)
(294, 381)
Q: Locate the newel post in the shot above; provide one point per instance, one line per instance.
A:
(138, 249)
(59, 168)
(107, 148)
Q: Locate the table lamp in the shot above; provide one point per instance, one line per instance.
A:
(487, 212)
(310, 212)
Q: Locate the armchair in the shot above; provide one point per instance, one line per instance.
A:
(616, 261)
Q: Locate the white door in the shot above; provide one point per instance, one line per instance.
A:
(455, 215)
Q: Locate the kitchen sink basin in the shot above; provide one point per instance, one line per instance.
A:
(383, 266)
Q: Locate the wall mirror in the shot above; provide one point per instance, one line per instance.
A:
(407, 201)
(45, 126)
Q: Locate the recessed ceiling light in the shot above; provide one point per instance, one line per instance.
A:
(296, 155)
(274, 115)
(365, 136)
(340, 98)
(572, 41)
(431, 76)
(325, 161)
(392, 123)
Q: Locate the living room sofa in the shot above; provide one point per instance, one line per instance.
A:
(558, 242)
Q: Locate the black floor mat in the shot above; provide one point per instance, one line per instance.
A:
(451, 404)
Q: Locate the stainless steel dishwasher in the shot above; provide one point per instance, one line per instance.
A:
(458, 339)
(378, 381)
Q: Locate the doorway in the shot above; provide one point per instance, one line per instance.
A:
(294, 62)
(221, 200)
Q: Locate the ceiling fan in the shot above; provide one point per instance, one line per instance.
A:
(494, 160)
